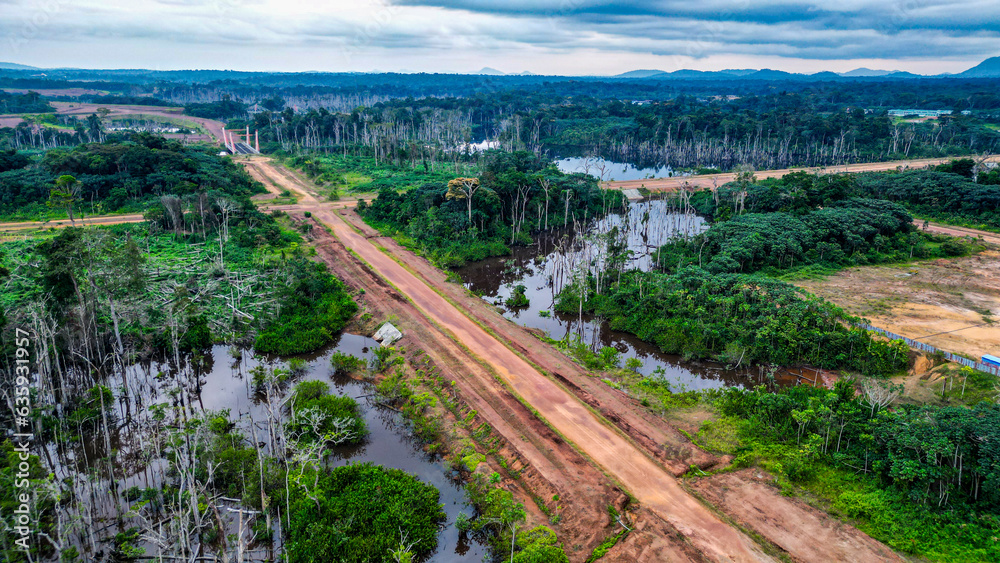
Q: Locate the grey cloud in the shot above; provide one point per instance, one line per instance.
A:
(800, 29)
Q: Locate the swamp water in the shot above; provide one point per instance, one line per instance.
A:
(618, 171)
(223, 382)
(543, 269)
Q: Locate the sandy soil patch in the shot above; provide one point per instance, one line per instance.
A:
(951, 304)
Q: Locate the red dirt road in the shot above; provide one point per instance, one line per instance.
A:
(278, 178)
(716, 180)
(991, 238)
(649, 482)
(88, 222)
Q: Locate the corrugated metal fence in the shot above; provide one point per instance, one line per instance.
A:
(928, 348)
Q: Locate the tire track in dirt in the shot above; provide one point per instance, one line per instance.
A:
(646, 480)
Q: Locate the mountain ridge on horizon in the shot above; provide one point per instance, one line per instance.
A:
(988, 68)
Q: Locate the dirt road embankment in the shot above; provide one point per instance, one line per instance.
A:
(715, 180)
(649, 482)
(84, 222)
(277, 178)
(985, 236)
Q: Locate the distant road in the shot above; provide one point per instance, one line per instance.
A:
(59, 223)
(716, 180)
(83, 109)
(936, 228)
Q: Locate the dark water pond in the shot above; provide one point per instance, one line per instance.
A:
(225, 383)
(541, 269)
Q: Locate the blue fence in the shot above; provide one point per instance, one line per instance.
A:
(928, 348)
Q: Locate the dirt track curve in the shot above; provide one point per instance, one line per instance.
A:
(649, 482)
(80, 109)
(716, 180)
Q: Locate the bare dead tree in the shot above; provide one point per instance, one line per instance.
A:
(879, 394)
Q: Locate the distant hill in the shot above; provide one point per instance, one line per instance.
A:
(15, 66)
(768, 74)
(990, 68)
(903, 74)
(825, 75)
(487, 71)
(866, 72)
(640, 73)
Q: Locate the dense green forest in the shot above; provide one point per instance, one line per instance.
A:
(942, 195)
(847, 232)
(515, 194)
(686, 123)
(959, 191)
(222, 109)
(32, 102)
(116, 176)
(923, 479)
(803, 220)
(734, 318)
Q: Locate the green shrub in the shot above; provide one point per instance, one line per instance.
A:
(360, 515)
(315, 307)
(338, 416)
(517, 298)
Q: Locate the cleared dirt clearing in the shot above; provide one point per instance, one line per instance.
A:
(942, 303)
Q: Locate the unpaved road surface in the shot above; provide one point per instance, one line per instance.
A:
(274, 176)
(985, 236)
(716, 180)
(59, 223)
(750, 498)
(648, 481)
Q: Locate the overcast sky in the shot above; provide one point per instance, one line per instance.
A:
(571, 37)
